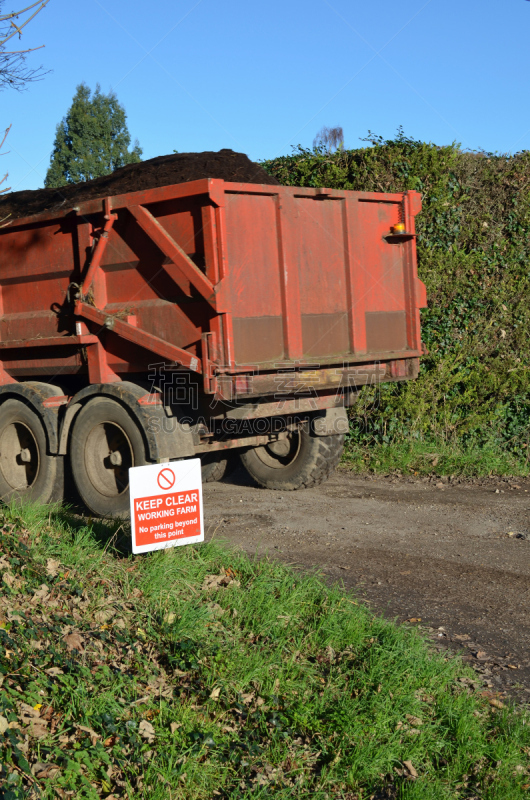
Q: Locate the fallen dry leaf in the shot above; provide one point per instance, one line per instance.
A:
(38, 728)
(140, 700)
(73, 642)
(53, 671)
(48, 772)
(111, 741)
(47, 713)
(146, 731)
(28, 711)
(41, 770)
(4, 725)
(9, 579)
(215, 693)
(161, 686)
(496, 703)
(212, 582)
(41, 594)
(103, 615)
(411, 770)
(52, 567)
(175, 726)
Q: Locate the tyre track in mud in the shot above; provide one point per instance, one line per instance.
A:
(455, 556)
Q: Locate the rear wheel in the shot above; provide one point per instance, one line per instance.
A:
(214, 467)
(300, 461)
(27, 471)
(105, 444)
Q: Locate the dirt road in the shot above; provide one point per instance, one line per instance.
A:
(456, 556)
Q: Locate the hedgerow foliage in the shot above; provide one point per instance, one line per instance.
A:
(474, 256)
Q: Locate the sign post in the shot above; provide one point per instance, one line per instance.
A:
(166, 505)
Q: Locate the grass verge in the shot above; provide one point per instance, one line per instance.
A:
(199, 673)
(440, 458)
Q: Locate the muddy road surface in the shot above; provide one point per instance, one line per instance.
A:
(453, 558)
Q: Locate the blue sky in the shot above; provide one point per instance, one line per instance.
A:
(259, 76)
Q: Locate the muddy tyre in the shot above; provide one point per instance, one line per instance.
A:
(27, 472)
(215, 468)
(299, 462)
(105, 443)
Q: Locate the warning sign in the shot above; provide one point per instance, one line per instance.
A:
(166, 505)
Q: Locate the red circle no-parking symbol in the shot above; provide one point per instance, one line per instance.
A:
(166, 478)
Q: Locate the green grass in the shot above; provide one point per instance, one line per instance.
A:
(417, 457)
(256, 682)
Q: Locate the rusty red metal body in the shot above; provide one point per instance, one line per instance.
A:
(225, 280)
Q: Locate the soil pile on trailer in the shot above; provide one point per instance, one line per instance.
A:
(161, 171)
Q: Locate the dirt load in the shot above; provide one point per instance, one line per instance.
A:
(161, 171)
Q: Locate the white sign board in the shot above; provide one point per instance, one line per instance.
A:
(166, 505)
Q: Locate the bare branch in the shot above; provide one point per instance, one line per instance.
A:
(6, 133)
(22, 11)
(13, 70)
(2, 191)
(330, 138)
(15, 15)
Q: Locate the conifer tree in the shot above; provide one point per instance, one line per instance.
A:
(92, 140)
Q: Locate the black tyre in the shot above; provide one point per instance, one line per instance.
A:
(214, 467)
(105, 443)
(300, 461)
(27, 472)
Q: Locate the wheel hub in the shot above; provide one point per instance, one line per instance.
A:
(108, 458)
(280, 448)
(19, 456)
(281, 453)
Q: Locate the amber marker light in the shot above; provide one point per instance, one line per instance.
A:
(399, 228)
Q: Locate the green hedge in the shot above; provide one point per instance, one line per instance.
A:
(473, 255)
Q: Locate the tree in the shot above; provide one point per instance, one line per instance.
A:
(92, 140)
(14, 73)
(329, 138)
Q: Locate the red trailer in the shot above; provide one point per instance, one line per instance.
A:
(195, 320)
